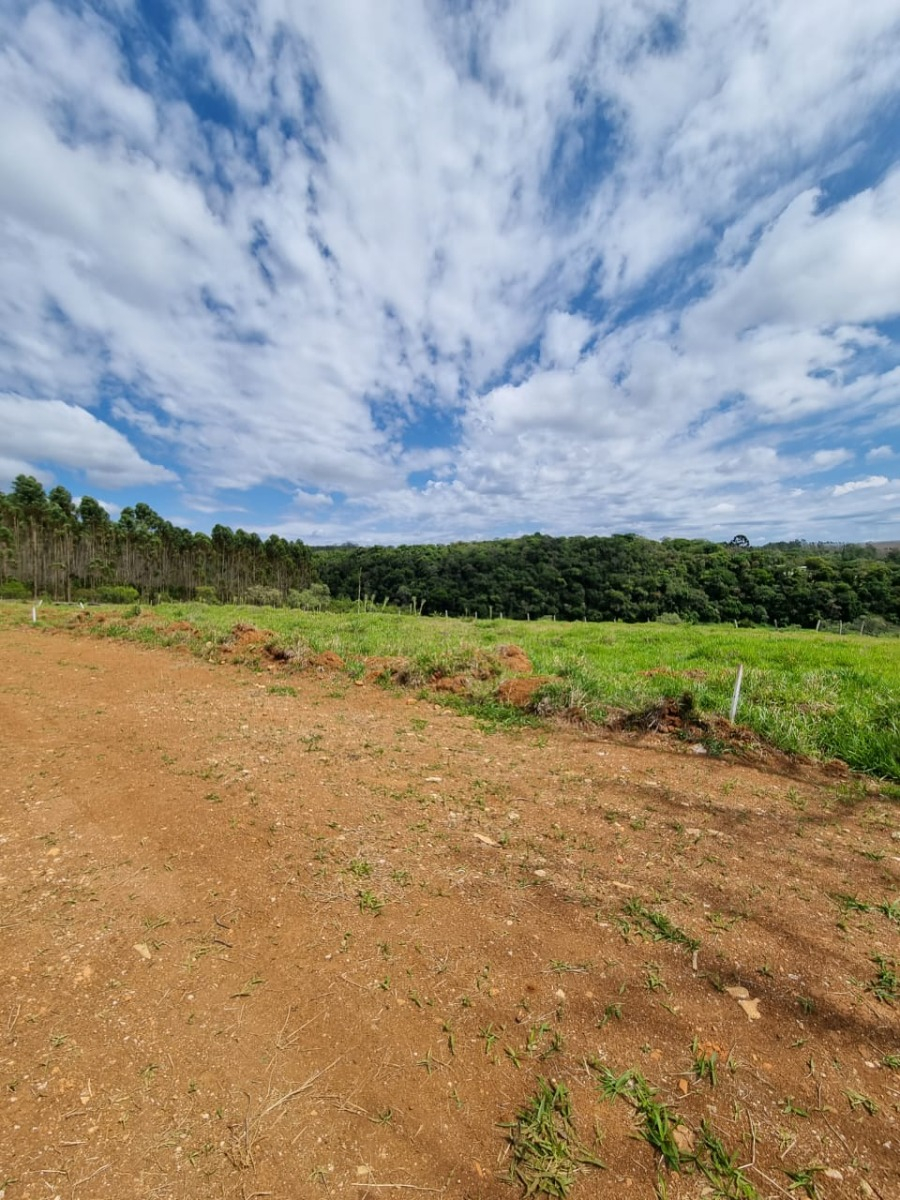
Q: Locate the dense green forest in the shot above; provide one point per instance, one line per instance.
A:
(624, 577)
(51, 546)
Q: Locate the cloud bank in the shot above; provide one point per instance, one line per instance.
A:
(430, 271)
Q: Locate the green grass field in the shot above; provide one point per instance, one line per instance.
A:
(815, 694)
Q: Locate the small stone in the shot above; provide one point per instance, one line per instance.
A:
(541, 874)
(683, 1086)
(143, 949)
(480, 837)
(698, 749)
(560, 994)
(693, 832)
(434, 779)
(832, 1173)
(751, 1008)
(683, 1139)
(738, 993)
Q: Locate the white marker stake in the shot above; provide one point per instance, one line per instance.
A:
(736, 695)
(33, 614)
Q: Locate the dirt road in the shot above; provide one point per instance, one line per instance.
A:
(300, 937)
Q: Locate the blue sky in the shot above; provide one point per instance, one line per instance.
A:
(415, 271)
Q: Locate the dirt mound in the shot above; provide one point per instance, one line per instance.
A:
(385, 667)
(514, 658)
(246, 636)
(521, 692)
(666, 716)
(455, 685)
(180, 627)
(327, 661)
(246, 644)
(293, 655)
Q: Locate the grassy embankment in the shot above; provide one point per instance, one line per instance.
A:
(815, 694)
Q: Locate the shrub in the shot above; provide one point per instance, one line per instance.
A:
(668, 619)
(13, 589)
(116, 594)
(269, 596)
(312, 599)
(206, 595)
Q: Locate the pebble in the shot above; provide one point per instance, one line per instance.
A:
(683, 1139)
(751, 1008)
(483, 838)
(738, 993)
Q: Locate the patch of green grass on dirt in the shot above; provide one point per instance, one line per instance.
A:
(545, 1150)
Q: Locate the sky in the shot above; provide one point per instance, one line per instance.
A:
(437, 270)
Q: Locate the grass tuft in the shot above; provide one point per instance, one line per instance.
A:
(657, 925)
(886, 984)
(546, 1152)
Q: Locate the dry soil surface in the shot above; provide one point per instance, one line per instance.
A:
(312, 938)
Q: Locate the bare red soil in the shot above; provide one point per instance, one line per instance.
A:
(294, 936)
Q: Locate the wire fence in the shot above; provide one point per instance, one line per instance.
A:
(867, 626)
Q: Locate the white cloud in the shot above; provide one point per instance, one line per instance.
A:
(857, 485)
(312, 500)
(879, 452)
(36, 431)
(564, 338)
(825, 460)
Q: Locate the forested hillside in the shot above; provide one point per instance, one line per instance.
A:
(623, 577)
(51, 546)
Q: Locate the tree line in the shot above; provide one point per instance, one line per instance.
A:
(623, 577)
(49, 545)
